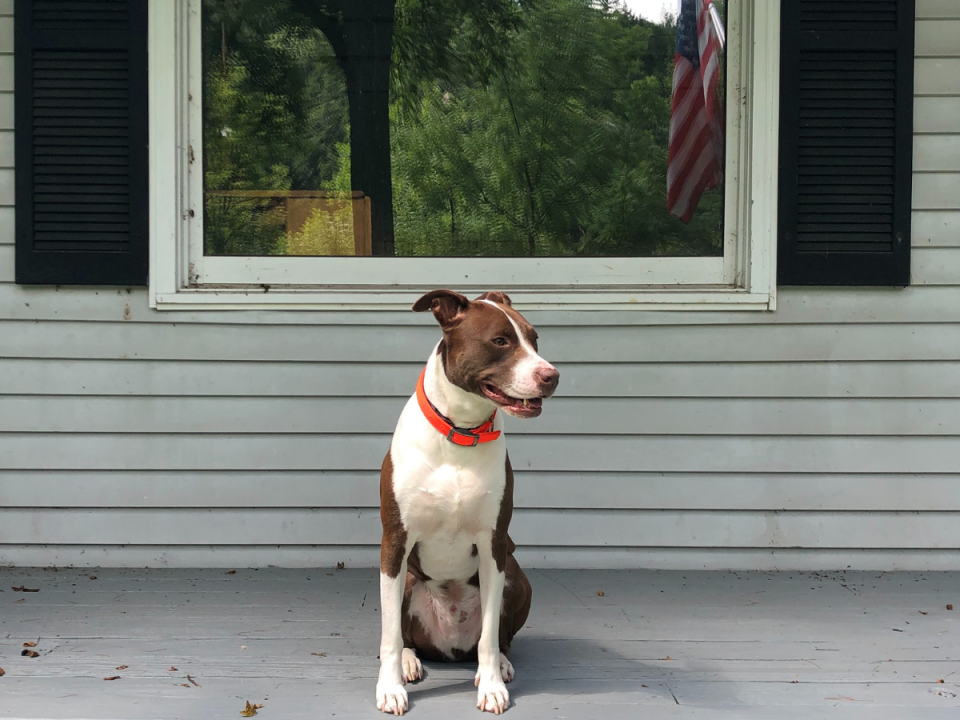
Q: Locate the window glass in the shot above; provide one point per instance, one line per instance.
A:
(462, 128)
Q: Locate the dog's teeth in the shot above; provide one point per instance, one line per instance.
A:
(525, 402)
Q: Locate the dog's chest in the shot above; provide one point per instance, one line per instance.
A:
(449, 498)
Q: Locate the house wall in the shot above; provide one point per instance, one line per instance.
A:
(826, 435)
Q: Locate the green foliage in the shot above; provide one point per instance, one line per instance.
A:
(518, 127)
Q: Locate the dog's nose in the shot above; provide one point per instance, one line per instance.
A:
(549, 376)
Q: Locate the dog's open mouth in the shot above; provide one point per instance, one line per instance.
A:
(518, 407)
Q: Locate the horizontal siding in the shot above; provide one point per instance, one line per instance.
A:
(587, 453)
(564, 416)
(573, 343)
(824, 435)
(361, 526)
(534, 489)
(148, 378)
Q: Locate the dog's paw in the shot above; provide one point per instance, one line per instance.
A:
(506, 668)
(391, 698)
(492, 695)
(413, 670)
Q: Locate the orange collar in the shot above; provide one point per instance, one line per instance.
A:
(465, 437)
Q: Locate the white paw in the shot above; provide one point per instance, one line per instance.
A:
(391, 698)
(412, 669)
(492, 695)
(506, 668)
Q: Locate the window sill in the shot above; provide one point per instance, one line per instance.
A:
(713, 298)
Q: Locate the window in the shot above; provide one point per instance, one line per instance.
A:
(353, 154)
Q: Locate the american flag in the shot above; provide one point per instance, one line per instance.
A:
(695, 158)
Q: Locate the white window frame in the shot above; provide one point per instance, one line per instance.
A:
(743, 279)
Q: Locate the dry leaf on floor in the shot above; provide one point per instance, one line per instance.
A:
(231, 572)
(340, 566)
(940, 681)
(601, 593)
(26, 589)
(319, 654)
(184, 685)
(30, 644)
(93, 577)
(2, 672)
(949, 607)
(669, 658)
(921, 612)
(112, 677)
(192, 681)
(30, 653)
(173, 669)
(122, 667)
(250, 710)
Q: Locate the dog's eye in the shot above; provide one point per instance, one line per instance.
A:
(501, 341)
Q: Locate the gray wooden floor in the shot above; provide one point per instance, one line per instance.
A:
(197, 644)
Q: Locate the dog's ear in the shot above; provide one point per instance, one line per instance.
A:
(496, 296)
(447, 306)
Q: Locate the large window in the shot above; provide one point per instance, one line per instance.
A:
(355, 152)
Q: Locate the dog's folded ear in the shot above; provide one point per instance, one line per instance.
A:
(496, 296)
(447, 306)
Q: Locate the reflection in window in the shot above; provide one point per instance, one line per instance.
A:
(448, 128)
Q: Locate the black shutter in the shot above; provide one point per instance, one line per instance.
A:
(846, 126)
(81, 142)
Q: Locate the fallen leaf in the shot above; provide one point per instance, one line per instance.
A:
(794, 682)
(184, 685)
(231, 572)
(949, 607)
(250, 710)
(30, 653)
(93, 577)
(601, 593)
(123, 667)
(243, 647)
(341, 566)
(642, 685)
(897, 630)
(921, 612)
(29, 644)
(193, 682)
(669, 658)
(173, 669)
(26, 589)
(2, 672)
(112, 677)
(319, 654)
(940, 681)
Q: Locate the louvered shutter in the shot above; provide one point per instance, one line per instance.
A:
(81, 142)
(846, 148)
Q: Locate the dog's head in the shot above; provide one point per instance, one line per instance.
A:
(490, 350)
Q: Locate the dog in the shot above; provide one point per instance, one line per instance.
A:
(450, 587)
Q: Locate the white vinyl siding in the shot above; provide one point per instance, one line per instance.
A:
(824, 435)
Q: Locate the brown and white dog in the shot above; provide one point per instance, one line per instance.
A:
(450, 588)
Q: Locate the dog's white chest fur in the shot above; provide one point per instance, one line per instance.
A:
(446, 493)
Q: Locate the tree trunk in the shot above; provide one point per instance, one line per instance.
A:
(361, 33)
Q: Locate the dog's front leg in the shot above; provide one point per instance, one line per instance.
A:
(492, 694)
(391, 695)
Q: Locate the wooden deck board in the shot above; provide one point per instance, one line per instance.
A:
(654, 645)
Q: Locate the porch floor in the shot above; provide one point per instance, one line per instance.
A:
(197, 644)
